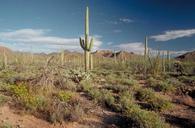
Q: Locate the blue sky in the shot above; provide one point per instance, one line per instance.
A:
(53, 25)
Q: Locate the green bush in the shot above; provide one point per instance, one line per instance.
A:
(155, 101)
(116, 88)
(160, 104)
(3, 99)
(129, 82)
(108, 98)
(86, 85)
(6, 125)
(144, 119)
(126, 99)
(25, 98)
(165, 86)
(115, 79)
(65, 96)
(158, 85)
(145, 94)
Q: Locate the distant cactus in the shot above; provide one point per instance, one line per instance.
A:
(86, 45)
(168, 60)
(163, 62)
(62, 57)
(146, 47)
(4, 59)
(115, 59)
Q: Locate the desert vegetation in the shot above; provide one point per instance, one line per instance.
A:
(123, 90)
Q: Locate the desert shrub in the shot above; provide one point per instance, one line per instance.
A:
(160, 104)
(145, 94)
(151, 81)
(129, 82)
(187, 80)
(155, 101)
(161, 85)
(126, 100)
(108, 98)
(70, 85)
(144, 119)
(111, 79)
(188, 67)
(25, 98)
(78, 75)
(164, 86)
(104, 97)
(56, 111)
(95, 94)
(116, 88)
(85, 85)
(175, 82)
(3, 99)
(76, 113)
(65, 96)
(6, 125)
(114, 79)
(7, 73)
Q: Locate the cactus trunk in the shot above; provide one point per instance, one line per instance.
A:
(91, 61)
(146, 47)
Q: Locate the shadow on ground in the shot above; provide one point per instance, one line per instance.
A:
(180, 122)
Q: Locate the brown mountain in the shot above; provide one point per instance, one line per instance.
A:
(5, 49)
(110, 54)
(189, 56)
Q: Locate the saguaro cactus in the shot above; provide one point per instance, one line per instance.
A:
(62, 57)
(146, 47)
(4, 59)
(168, 60)
(85, 44)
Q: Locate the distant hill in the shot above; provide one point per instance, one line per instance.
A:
(110, 54)
(189, 56)
(5, 49)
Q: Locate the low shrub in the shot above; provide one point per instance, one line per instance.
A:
(126, 99)
(144, 119)
(85, 85)
(25, 98)
(156, 102)
(160, 85)
(116, 88)
(114, 79)
(3, 99)
(145, 94)
(65, 96)
(160, 104)
(6, 125)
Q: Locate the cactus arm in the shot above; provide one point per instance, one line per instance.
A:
(82, 43)
(91, 44)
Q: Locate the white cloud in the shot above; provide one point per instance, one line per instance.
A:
(126, 20)
(39, 38)
(136, 47)
(173, 34)
(109, 43)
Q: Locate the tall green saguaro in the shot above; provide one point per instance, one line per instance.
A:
(86, 44)
(146, 47)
